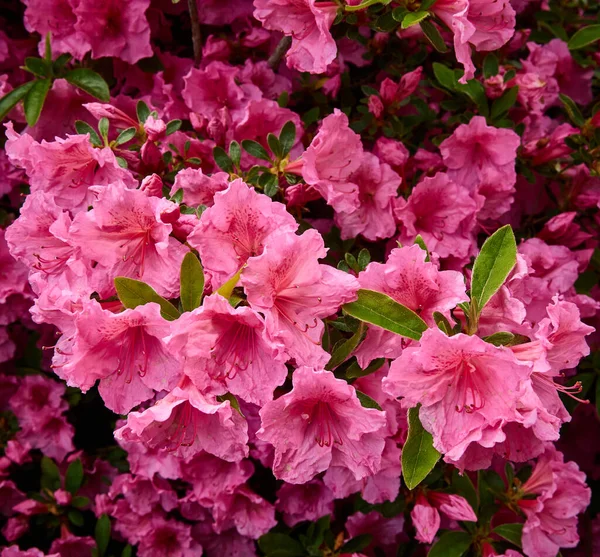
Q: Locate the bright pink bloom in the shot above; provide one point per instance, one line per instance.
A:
(319, 424)
(145, 461)
(237, 227)
(308, 501)
(333, 155)
(13, 274)
(15, 551)
(124, 350)
(392, 92)
(494, 23)
(537, 93)
(287, 283)
(377, 186)
(198, 188)
(563, 230)
(125, 233)
(115, 29)
(443, 213)
(468, 389)
(308, 22)
(186, 422)
(552, 517)
(226, 350)
(168, 537)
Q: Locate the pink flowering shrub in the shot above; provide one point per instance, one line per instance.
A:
(299, 278)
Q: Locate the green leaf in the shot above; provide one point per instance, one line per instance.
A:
(433, 36)
(343, 352)
(280, 545)
(75, 517)
(399, 13)
(37, 66)
(364, 258)
(311, 116)
(354, 371)
(8, 101)
(233, 401)
(227, 289)
(222, 159)
(495, 261)
(572, 110)
(128, 550)
(82, 128)
(475, 90)
(365, 4)
(103, 127)
(366, 401)
(34, 100)
(191, 280)
(445, 76)
(421, 243)
(48, 48)
(80, 502)
(379, 309)
(121, 162)
(274, 145)
(501, 338)
(125, 136)
(50, 474)
(585, 36)
(173, 126)
(451, 544)
(464, 486)
(60, 63)
(287, 137)
(142, 111)
(510, 532)
(255, 149)
(102, 534)
(235, 153)
(503, 104)
(89, 81)
(357, 544)
(74, 477)
(426, 4)
(418, 454)
(134, 293)
(490, 65)
(413, 18)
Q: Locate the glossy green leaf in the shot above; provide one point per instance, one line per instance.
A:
(173, 126)
(366, 401)
(255, 149)
(433, 36)
(445, 76)
(494, 263)
(510, 532)
(379, 309)
(142, 111)
(418, 454)
(125, 136)
(585, 36)
(227, 289)
(421, 243)
(34, 100)
(235, 153)
(191, 282)
(37, 66)
(274, 145)
(222, 159)
(572, 110)
(8, 101)
(343, 352)
(82, 128)
(134, 293)
(74, 477)
(102, 534)
(501, 338)
(103, 127)
(451, 544)
(287, 137)
(50, 474)
(89, 81)
(413, 18)
(354, 371)
(491, 65)
(502, 105)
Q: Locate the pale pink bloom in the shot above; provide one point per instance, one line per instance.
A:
(237, 227)
(308, 501)
(333, 155)
(319, 424)
(126, 234)
(552, 517)
(308, 22)
(294, 291)
(443, 213)
(146, 461)
(65, 168)
(199, 188)
(377, 186)
(186, 422)
(223, 349)
(115, 29)
(425, 514)
(168, 537)
(116, 117)
(144, 495)
(243, 509)
(468, 389)
(125, 351)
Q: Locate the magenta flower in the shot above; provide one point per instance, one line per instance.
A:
(186, 422)
(468, 389)
(198, 188)
(287, 283)
(125, 351)
(308, 501)
(168, 537)
(227, 350)
(319, 424)
(237, 227)
(124, 233)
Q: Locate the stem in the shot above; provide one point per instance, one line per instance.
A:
(196, 33)
(279, 53)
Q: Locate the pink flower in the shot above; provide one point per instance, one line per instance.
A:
(186, 422)
(563, 230)
(426, 518)
(387, 532)
(308, 22)
(287, 283)
(13, 274)
(443, 213)
(124, 350)
(198, 188)
(319, 424)
(227, 350)
(308, 501)
(333, 155)
(377, 186)
(537, 93)
(124, 232)
(15, 551)
(494, 23)
(168, 537)
(552, 516)
(115, 29)
(237, 227)
(468, 389)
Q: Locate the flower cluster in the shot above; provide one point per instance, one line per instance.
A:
(306, 278)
